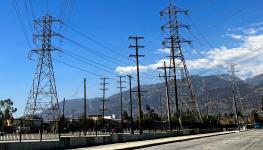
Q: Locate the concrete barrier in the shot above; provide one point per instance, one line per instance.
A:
(44, 145)
(73, 142)
(76, 142)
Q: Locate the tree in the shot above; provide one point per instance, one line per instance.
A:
(125, 115)
(210, 121)
(257, 118)
(150, 111)
(7, 109)
(150, 118)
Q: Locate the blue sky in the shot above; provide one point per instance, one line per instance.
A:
(221, 30)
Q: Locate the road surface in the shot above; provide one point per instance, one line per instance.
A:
(248, 140)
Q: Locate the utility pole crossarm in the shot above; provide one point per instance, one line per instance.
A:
(136, 37)
(136, 55)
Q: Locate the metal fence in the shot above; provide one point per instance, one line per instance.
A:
(38, 129)
(22, 129)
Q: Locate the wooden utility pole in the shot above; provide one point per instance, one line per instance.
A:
(178, 117)
(103, 99)
(161, 111)
(73, 114)
(121, 87)
(218, 106)
(167, 94)
(131, 117)
(85, 107)
(63, 113)
(63, 108)
(207, 104)
(136, 46)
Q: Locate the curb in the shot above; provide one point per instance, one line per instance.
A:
(244, 130)
(155, 144)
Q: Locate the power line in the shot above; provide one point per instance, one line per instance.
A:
(94, 40)
(31, 8)
(75, 92)
(231, 16)
(27, 16)
(22, 26)
(63, 8)
(217, 69)
(98, 65)
(78, 68)
(249, 54)
(94, 52)
(95, 65)
(63, 15)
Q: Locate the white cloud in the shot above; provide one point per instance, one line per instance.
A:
(163, 50)
(218, 57)
(158, 64)
(249, 48)
(194, 51)
(257, 24)
(129, 69)
(235, 36)
(132, 69)
(251, 30)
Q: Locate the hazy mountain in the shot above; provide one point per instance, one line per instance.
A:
(257, 80)
(214, 86)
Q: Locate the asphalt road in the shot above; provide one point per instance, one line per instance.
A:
(248, 140)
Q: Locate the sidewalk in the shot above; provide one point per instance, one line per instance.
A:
(147, 143)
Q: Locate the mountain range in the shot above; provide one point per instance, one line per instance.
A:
(213, 93)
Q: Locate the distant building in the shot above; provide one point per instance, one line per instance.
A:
(97, 117)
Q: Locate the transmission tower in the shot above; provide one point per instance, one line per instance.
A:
(177, 60)
(236, 94)
(43, 94)
(235, 86)
(104, 89)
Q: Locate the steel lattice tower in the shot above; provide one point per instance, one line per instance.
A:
(235, 86)
(177, 60)
(237, 97)
(43, 94)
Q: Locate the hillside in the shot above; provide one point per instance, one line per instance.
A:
(204, 85)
